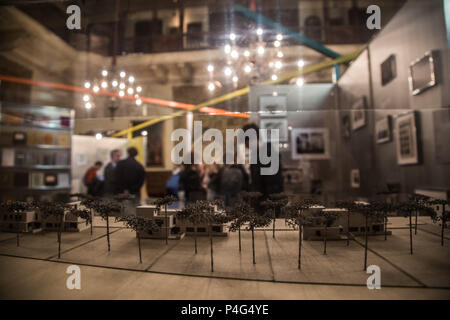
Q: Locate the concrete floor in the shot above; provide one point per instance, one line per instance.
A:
(33, 271)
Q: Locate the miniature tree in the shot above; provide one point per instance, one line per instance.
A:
(252, 217)
(349, 206)
(82, 213)
(90, 203)
(105, 208)
(297, 217)
(16, 208)
(327, 218)
(443, 218)
(121, 198)
(406, 209)
(371, 212)
(273, 205)
(164, 202)
(237, 216)
(139, 224)
(56, 210)
(384, 208)
(202, 212)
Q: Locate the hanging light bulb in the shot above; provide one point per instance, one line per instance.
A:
(130, 79)
(276, 44)
(227, 71)
(279, 37)
(98, 136)
(122, 74)
(138, 89)
(278, 64)
(259, 31)
(87, 84)
(232, 36)
(96, 89)
(246, 53)
(280, 54)
(104, 84)
(227, 48)
(260, 50)
(235, 79)
(104, 73)
(122, 85)
(114, 83)
(211, 86)
(300, 82)
(301, 63)
(234, 54)
(144, 133)
(274, 77)
(121, 93)
(138, 102)
(85, 98)
(210, 68)
(247, 69)
(130, 91)
(88, 105)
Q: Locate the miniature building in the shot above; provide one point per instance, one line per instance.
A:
(164, 222)
(27, 221)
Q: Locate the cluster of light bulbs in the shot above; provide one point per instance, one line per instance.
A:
(119, 84)
(233, 53)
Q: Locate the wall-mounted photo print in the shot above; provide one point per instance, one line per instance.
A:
(280, 124)
(359, 114)
(406, 139)
(383, 130)
(310, 143)
(355, 179)
(346, 126)
(388, 70)
(422, 74)
(272, 106)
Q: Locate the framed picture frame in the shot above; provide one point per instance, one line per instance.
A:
(406, 139)
(355, 179)
(388, 70)
(346, 126)
(383, 131)
(422, 74)
(358, 114)
(272, 106)
(310, 143)
(275, 123)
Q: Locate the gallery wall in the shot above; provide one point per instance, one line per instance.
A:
(417, 28)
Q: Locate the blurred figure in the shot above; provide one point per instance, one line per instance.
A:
(93, 180)
(173, 184)
(109, 173)
(191, 180)
(266, 184)
(211, 182)
(232, 180)
(130, 175)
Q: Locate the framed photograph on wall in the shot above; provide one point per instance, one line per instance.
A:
(346, 126)
(358, 114)
(274, 123)
(355, 179)
(272, 106)
(310, 143)
(388, 70)
(422, 73)
(406, 139)
(383, 130)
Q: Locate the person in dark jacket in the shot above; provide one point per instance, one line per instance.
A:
(130, 174)
(110, 178)
(266, 184)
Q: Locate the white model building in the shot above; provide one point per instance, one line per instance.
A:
(27, 221)
(164, 222)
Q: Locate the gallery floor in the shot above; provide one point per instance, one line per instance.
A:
(173, 271)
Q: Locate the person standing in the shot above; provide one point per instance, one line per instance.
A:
(92, 180)
(130, 175)
(110, 179)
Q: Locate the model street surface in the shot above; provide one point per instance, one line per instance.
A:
(34, 271)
